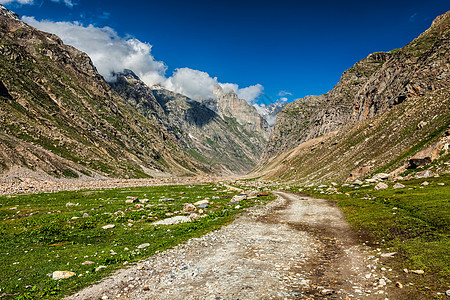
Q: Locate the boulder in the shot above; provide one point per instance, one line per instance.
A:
(189, 208)
(358, 182)
(109, 226)
(132, 200)
(381, 186)
(380, 176)
(57, 275)
(423, 174)
(238, 198)
(201, 202)
(398, 186)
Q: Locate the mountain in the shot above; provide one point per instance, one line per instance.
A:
(270, 112)
(229, 137)
(227, 105)
(58, 116)
(383, 111)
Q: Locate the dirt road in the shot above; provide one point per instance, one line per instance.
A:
(295, 248)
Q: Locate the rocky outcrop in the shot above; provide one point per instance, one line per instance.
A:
(228, 105)
(312, 116)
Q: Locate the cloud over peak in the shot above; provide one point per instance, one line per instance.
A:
(111, 53)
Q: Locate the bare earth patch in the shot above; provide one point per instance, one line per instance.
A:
(295, 248)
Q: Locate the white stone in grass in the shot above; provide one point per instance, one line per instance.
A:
(57, 275)
(142, 246)
(99, 268)
(109, 226)
(201, 202)
(173, 220)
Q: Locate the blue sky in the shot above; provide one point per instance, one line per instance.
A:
(299, 47)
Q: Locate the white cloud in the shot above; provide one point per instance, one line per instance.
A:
(192, 83)
(111, 53)
(18, 1)
(284, 93)
(249, 94)
(283, 99)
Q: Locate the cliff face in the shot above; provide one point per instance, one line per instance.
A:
(219, 141)
(378, 96)
(229, 105)
(59, 116)
(312, 116)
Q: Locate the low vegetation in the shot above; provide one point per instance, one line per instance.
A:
(413, 221)
(43, 233)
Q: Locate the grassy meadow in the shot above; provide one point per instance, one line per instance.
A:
(43, 233)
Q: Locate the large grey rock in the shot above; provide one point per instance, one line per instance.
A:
(380, 176)
(238, 198)
(423, 174)
(398, 186)
(381, 186)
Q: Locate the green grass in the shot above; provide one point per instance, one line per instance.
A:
(39, 234)
(414, 221)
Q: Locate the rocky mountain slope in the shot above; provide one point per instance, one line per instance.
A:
(58, 115)
(383, 110)
(228, 141)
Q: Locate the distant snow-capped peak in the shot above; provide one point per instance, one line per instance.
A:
(270, 112)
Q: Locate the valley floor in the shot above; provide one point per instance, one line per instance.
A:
(296, 247)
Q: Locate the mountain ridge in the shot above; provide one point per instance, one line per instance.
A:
(333, 136)
(225, 141)
(53, 98)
